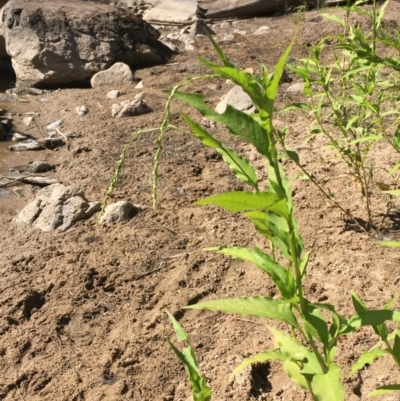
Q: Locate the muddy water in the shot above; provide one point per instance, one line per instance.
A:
(8, 160)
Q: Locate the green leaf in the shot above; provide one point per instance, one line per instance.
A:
(393, 244)
(373, 318)
(272, 89)
(239, 124)
(248, 83)
(334, 18)
(395, 192)
(179, 330)
(367, 358)
(396, 345)
(242, 201)
(200, 390)
(366, 138)
(239, 165)
(252, 306)
(315, 324)
(328, 386)
(263, 262)
(293, 370)
(297, 352)
(261, 357)
(304, 263)
(391, 388)
(220, 53)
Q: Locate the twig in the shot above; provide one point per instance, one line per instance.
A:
(20, 394)
(65, 138)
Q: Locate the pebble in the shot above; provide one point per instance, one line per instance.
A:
(262, 30)
(82, 110)
(29, 144)
(38, 166)
(139, 85)
(297, 87)
(19, 137)
(28, 121)
(54, 125)
(113, 94)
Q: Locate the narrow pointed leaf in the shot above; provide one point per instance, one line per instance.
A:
(179, 330)
(261, 357)
(293, 370)
(373, 318)
(391, 388)
(367, 358)
(239, 165)
(263, 262)
(242, 201)
(252, 306)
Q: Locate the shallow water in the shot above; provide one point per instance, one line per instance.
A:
(8, 160)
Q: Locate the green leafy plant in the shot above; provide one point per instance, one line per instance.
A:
(200, 390)
(351, 100)
(307, 347)
(307, 353)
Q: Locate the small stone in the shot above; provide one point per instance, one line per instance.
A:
(19, 137)
(132, 107)
(139, 85)
(113, 94)
(189, 47)
(237, 98)
(82, 110)
(262, 30)
(118, 74)
(214, 87)
(225, 25)
(229, 38)
(54, 125)
(2, 112)
(51, 143)
(7, 122)
(28, 121)
(239, 32)
(29, 144)
(38, 166)
(297, 87)
(118, 212)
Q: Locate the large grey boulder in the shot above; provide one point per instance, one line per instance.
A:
(58, 42)
(56, 207)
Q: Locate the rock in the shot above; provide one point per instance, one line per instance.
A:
(54, 125)
(19, 137)
(29, 144)
(3, 133)
(60, 42)
(3, 50)
(199, 27)
(25, 91)
(7, 122)
(172, 10)
(297, 87)
(132, 107)
(139, 85)
(2, 112)
(118, 212)
(237, 98)
(51, 143)
(28, 121)
(118, 74)
(262, 30)
(189, 47)
(9, 98)
(56, 207)
(113, 94)
(82, 110)
(38, 166)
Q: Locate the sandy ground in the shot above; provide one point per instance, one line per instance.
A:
(82, 312)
